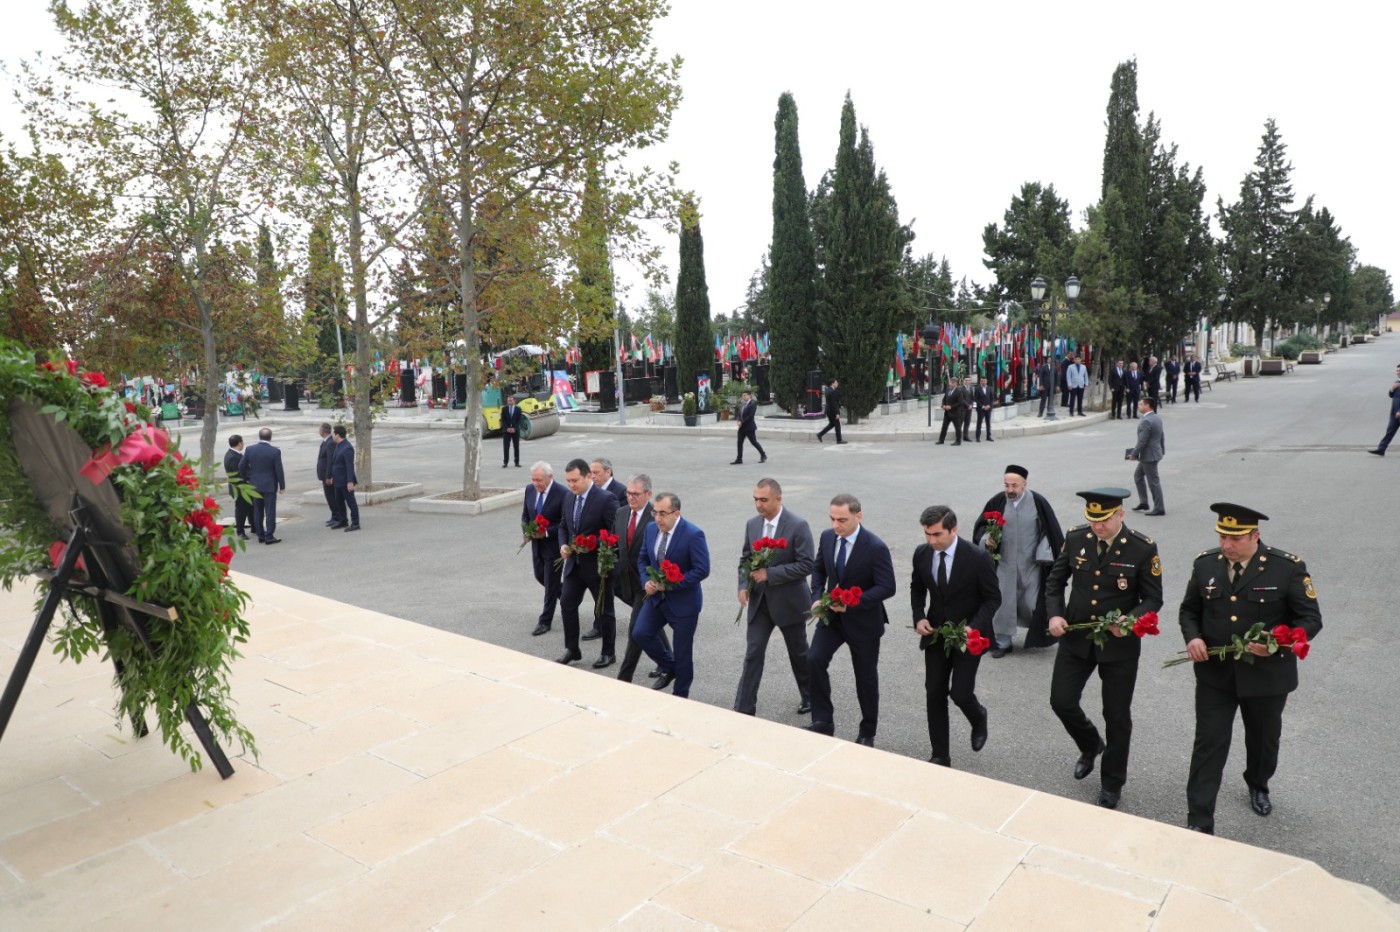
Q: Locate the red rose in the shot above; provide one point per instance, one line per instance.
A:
(130, 408)
(210, 505)
(542, 521)
(186, 476)
(850, 597)
(224, 557)
(1300, 634)
(1300, 650)
(976, 643)
(1283, 634)
(780, 543)
(216, 536)
(72, 367)
(671, 571)
(48, 366)
(95, 379)
(607, 537)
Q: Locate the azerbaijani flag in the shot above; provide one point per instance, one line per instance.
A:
(899, 355)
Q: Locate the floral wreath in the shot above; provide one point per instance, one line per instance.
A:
(184, 560)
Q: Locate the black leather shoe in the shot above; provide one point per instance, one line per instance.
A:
(353, 527)
(1259, 802)
(979, 732)
(272, 540)
(804, 707)
(821, 728)
(664, 680)
(338, 524)
(1109, 799)
(737, 463)
(941, 761)
(1156, 513)
(763, 459)
(593, 635)
(990, 440)
(819, 439)
(606, 660)
(242, 536)
(330, 522)
(1377, 452)
(1000, 652)
(1200, 828)
(1140, 508)
(1085, 765)
(866, 740)
(654, 674)
(569, 656)
(939, 444)
(841, 443)
(539, 629)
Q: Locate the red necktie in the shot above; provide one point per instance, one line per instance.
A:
(631, 529)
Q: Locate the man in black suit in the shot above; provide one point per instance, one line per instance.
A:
(983, 399)
(953, 581)
(833, 411)
(1044, 379)
(849, 556)
(1132, 389)
(630, 524)
(600, 471)
(748, 429)
(588, 510)
(343, 480)
(324, 454)
(1117, 382)
(262, 469)
(1173, 370)
(1193, 378)
(544, 496)
(511, 416)
(1153, 379)
(242, 507)
(957, 401)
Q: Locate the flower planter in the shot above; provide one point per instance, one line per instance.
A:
(690, 419)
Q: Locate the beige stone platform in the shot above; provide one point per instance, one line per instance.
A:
(415, 779)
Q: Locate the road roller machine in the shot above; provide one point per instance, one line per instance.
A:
(540, 420)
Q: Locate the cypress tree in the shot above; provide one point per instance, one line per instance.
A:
(1124, 193)
(695, 347)
(793, 268)
(593, 285)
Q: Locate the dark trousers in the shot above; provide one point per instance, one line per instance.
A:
(984, 417)
(571, 597)
(1389, 433)
(1193, 385)
(1119, 678)
(345, 500)
(1171, 390)
(759, 631)
(1064, 391)
(333, 501)
(832, 421)
(546, 575)
(1215, 721)
(1117, 403)
(947, 678)
(956, 419)
(242, 514)
(1076, 400)
(633, 652)
(651, 621)
(1045, 400)
(750, 433)
(508, 441)
(1133, 404)
(865, 660)
(265, 515)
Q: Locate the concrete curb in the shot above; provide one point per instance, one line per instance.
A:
(435, 504)
(1035, 427)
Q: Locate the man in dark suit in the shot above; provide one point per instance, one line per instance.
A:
(953, 581)
(323, 475)
(780, 597)
(511, 416)
(544, 496)
(1238, 584)
(1153, 379)
(587, 510)
(1394, 423)
(600, 471)
(630, 524)
(242, 507)
(670, 539)
(1113, 567)
(957, 401)
(848, 556)
(1151, 449)
(1132, 390)
(262, 469)
(1117, 381)
(833, 411)
(1193, 378)
(1044, 380)
(1173, 370)
(983, 400)
(748, 428)
(343, 479)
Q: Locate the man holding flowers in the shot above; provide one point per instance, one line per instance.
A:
(954, 593)
(1235, 589)
(587, 511)
(673, 560)
(1020, 529)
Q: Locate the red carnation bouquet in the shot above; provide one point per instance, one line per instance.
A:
(533, 530)
(957, 636)
(584, 543)
(762, 553)
(1277, 639)
(607, 559)
(666, 577)
(995, 523)
(1116, 624)
(841, 598)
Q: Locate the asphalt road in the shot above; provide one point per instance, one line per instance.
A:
(1293, 447)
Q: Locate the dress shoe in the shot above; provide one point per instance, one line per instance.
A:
(330, 522)
(737, 463)
(1000, 652)
(262, 540)
(763, 459)
(338, 525)
(1377, 452)
(940, 761)
(979, 732)
(353, 527)
(242, 536)
(867, 740)
(939, 443)
(989, 440)
(1259, 802)
(957, 443)
(272, 540)
(539, 629)
(1085, 765)
(819, 439)
(569, 656)
(821, 728)
(841, 443)
(505, 465)
(1109, 799)
(593, 635)
(606, 660)
(517, 465)
(664, 680)
(1156, 513)
(804, 707)
(654, 674)
(1141, 507)
(1200, 828)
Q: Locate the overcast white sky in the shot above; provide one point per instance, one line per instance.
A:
(966, 102)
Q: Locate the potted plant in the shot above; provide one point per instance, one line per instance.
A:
(657, 402)
(690, 409)
(730, 397)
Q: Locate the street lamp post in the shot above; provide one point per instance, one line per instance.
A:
(1317, 315)
(1072, 294)
(930, 333)
(1219, 311)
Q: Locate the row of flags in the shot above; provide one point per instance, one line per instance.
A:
(1001, 354)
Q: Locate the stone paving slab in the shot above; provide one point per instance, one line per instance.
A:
(413, 779)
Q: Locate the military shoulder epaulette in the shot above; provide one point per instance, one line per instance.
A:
(1140, 536)
(1275, 552)
(1208, 553)
(1075, 530)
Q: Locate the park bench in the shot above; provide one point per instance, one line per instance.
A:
(1273, 366)
(1224, 374)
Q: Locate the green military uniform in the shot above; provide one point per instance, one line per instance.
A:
(1126, 576)
(1273, 589)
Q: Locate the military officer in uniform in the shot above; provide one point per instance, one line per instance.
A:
(1232, 587)
(1113, 567)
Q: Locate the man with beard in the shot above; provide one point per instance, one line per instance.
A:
(1030, 540)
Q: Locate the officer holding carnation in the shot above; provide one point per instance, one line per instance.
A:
(1263, 595)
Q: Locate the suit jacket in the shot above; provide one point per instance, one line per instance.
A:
(1077, 376)
(1173, 371)
(1116, 379)
(958, 399)
(511, 417)
(343, 464)
(786, 592)
(262, 468)
(627, 584)
(1132, 381)
(747, 413)
(833, 402)
(1154, 379)
(323, 458)
(983, 397)
(1193, 369)
(618, 491)
(973, 595)
(1151, 439)
(1275, 589)
(232, 460)
(1042, 376)
(688, 550)
(599, 506)
(1128, 577)
(1394, 402)
(546, 549)
(868, 566)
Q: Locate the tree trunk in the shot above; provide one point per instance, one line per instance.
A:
(471, 318)
(363, 412)
(210, 428)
